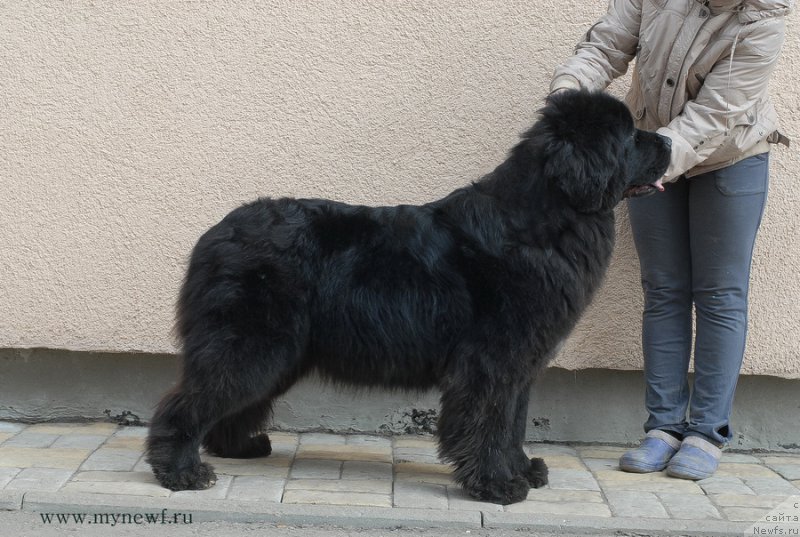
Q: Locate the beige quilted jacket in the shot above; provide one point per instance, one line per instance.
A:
(700, 76)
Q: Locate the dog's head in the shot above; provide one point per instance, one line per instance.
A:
(592, 153)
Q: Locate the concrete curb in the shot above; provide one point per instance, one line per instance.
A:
(359, 517)
(614, 526)
(240, 511)
(11, 500)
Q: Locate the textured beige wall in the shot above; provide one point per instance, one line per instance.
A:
(127, 128)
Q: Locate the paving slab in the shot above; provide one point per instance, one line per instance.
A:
(372, 486)
(566, 462)
(126, 442)
(121, 487)
(744, 514)
(316, 469)
(629, 503)
(102, 475)
(653, 482)
(256, 488)
(348, 453)
(31, 439)
(325, 497)
(422, 455)
(420, 495)
(433, 478)
(47, 479)
(547, 494)
(11, 427)
(423, 468)
(367, 481)
(322, 439)
(744, 470)
(771, 485)
(560, 478)
(597, 465)
(367, 440)
(543, 450)
(367, 470)
(426, 442)
(135, 431)
(724, 485)
(83, 441)
(739, 458)
(74, 428)
(689, 507)
(568, 509)
(748, 500)
(787, 471)
(7, 474)
(11, 500)
(112, 459)
(601, 452)
(23, 457)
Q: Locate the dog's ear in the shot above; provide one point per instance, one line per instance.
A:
(578, 172)
(579, 137)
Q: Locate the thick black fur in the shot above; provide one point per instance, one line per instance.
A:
(470, 294)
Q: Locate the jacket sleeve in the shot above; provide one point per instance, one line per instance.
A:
(605, 51)
(729, 91)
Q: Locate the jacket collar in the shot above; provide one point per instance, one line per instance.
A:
(752, 10)
(755, 10)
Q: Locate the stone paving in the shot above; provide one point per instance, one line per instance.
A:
(398, 473)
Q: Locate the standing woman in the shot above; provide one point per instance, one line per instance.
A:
(700, 78)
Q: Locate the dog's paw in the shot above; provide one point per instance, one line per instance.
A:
(256, 446)
(199, 477)
(501, 492)
(536, 474)
(259, 446)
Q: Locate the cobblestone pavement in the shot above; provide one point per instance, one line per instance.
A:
(402, 474)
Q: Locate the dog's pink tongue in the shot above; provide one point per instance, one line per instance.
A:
(644, 190)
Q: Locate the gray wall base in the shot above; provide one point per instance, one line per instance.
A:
(593, 405)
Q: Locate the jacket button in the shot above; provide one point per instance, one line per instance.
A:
(670, 82)
(703, 13)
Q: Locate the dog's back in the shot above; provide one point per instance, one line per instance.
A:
(375, 295)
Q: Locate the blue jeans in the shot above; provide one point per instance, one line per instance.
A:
(695, 245)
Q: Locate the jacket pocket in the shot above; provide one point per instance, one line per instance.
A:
(745, 178)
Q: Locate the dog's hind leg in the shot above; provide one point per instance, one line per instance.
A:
(476, 434)
(173, 441)
(209, 397)
(241, 435)
(534, 470)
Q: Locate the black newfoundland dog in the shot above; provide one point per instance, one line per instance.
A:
(469, 294)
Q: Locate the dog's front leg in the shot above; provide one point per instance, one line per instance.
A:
(534, 470)
(477, 433)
